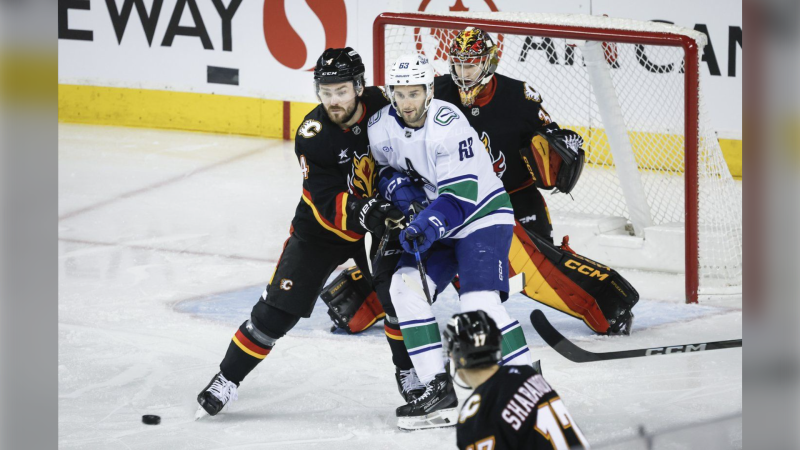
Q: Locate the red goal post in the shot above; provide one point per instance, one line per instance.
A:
(501, 24)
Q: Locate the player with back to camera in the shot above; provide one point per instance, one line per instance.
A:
(466, 229)
(530, 151)
(511, 407)
(334, 213)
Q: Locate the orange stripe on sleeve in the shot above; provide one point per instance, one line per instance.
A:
(341, 215)
(342, 233)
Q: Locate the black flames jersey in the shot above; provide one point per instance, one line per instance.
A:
(516, 409)
(336, 167)
(505, 124)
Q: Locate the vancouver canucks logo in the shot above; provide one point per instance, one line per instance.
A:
(499, 160)
(444, 116)
(362, 175)
(374, 119)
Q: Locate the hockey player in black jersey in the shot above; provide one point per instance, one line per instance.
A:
(531, 152)
(511, 407)
(336, 209)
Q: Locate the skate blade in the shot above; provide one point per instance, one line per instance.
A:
(437, 419)
(200, 413)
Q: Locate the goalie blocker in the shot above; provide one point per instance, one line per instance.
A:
(352, 304)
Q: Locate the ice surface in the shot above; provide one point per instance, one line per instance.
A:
(166, 240)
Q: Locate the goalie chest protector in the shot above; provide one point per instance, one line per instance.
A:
(505, 124)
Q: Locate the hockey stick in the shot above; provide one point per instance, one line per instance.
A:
(576, 354)
(381, 247)
(368, 247)
(422, 274)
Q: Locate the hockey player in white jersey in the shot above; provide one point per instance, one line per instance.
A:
(466, 229)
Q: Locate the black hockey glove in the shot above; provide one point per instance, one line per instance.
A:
(568, 145)
(376, 214)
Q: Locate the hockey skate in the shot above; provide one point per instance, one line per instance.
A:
(215, 396)
(437, 407)
(408, 384)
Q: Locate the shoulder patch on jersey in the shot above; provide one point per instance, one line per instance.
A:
(545, 117)
(470, 408)
(531, 94)
(383, 91)
(374, 119)
(445, 115)
(309, 128)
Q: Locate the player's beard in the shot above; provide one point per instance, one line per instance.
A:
(418, 113)
(349, 112)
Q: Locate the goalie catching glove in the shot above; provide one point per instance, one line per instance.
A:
(555, 158)
(352, 304)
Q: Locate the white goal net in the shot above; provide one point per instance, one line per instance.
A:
(631, 89)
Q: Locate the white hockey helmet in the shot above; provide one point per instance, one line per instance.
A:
(411, 70)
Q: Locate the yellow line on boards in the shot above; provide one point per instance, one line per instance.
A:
(249, 116)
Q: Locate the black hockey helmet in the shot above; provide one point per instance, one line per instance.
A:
(473, 340)
(337, 65)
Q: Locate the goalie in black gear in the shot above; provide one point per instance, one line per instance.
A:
(529, 151)
(511, 407)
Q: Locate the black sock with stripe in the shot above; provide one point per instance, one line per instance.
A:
(394, 336)
(244, 353)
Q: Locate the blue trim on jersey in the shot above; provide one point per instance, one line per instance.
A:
(413, 322)
(393, 113)
(502, 330)
(511, 356)
(462, 177)
(458, 212)
(497, 211)
(490, 197)
(417, 352)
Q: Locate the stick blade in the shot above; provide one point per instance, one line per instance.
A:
(414, 285)
(368, 247)
(556, 340)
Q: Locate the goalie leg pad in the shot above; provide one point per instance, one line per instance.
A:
(573, 284)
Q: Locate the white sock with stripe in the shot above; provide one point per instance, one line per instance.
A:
(418, 325)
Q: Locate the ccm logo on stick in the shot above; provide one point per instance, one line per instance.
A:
(676, 349)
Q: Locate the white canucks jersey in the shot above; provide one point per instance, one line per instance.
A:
(445, 155)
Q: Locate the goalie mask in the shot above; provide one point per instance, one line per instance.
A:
(473, 60)
(473, 340)
(411, 70)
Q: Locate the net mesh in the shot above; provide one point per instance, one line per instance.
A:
(649, 86)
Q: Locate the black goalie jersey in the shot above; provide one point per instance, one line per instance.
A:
(336, 165)
(517, 409)
(506, 121)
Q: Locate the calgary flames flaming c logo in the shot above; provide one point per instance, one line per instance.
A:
(362, 175)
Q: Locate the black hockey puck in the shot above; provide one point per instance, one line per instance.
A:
(150, 419)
